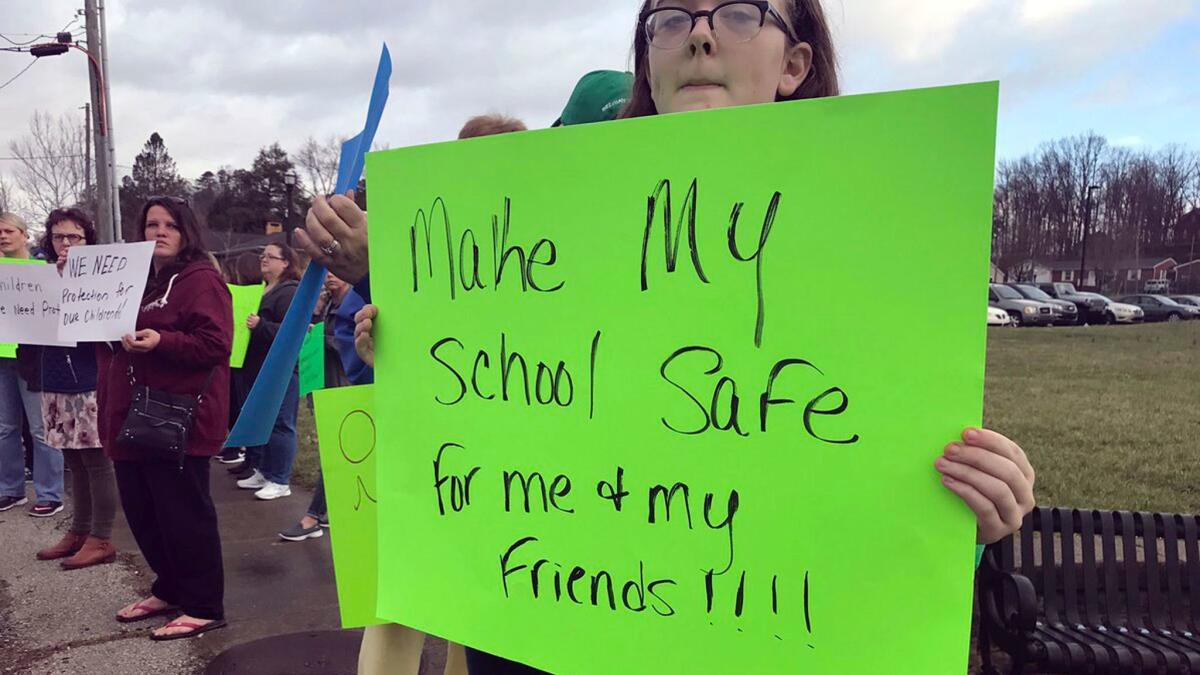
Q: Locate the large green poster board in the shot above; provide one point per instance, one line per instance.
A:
(664, 395)
(346, 432)
(245, 302)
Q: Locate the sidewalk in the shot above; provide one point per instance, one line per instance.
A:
(279, 595)
(59, 622)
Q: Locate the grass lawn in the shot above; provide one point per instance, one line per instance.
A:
(1110, 415)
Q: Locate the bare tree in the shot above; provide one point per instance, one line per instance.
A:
(1146, 208)
(319, 160)
(7, 196)
(51, 170)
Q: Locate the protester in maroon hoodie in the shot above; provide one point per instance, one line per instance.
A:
(182, 344)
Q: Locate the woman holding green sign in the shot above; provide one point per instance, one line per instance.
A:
(268, 468)
(704, 54)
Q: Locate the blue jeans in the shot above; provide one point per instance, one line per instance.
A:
(47, 461)
(275, 458)
(317, 508)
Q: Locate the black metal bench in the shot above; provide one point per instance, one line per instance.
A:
(1084, 591)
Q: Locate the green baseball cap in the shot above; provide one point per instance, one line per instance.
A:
(598, 97)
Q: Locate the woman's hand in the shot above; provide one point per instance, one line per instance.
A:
(335, 235)
(364, 342)
(993, 476)
(252, 321)
(141, 342)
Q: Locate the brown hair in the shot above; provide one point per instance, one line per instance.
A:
(809, 24)
(289, 256)
(490, 125)
(62, 215)
(192, 246)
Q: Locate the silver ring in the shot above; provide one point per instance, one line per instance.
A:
(331, 248)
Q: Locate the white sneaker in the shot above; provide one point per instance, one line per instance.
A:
(273, 491)
(253, 482)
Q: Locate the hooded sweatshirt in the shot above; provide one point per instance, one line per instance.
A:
(192, 310)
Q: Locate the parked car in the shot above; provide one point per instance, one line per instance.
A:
(998, 317)
(1189, 300)
(1092, 309)
(1118, 312)
(1157, 286)
(1023, 312)
(1161, 308)
(1066, 312)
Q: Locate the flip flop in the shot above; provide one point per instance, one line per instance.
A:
(148, 613)
(196, 629)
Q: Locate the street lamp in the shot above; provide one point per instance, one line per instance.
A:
(289, 179)
(1087, 222)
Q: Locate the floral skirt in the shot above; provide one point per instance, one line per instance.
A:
(71, 420)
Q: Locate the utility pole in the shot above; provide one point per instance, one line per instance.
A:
(108, 213)
(118, 235)
(1087, 221)
(87, 154)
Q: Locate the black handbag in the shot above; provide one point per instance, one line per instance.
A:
(159, 422)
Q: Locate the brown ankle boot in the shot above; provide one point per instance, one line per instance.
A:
(95, 551)
(68, 545)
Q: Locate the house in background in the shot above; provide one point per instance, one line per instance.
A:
(997, 275)
(1130, 274)
(237, 253)
(1044, 272)
(1028, 272)
(1187, 277)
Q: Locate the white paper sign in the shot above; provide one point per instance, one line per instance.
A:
(29, 304)
(102, 290)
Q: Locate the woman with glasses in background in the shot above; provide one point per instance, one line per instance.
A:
(268, 468)
(70, 418)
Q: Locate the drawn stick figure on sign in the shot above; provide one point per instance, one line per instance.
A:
(356, 442)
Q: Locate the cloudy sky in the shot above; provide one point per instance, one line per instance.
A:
(220, 78)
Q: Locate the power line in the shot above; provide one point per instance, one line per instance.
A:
(22, 159)
(14, 77)
(22, 44)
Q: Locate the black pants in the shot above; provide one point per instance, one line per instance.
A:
(175, 524)
(482, 663)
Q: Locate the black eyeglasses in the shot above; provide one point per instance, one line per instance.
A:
(71, 239)
(267, 256)
(740, 21)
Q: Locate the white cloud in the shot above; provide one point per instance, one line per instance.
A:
(1129, 141)
(220, 79)
(1028, 49)
(1040, 12)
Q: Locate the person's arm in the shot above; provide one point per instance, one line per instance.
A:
(363, 288)
(356, 369)
(204, 336)
(266, 330)
(338, 219)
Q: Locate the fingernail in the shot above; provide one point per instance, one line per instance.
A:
(947, 480)
(971, 435)
(953, 451)
(941, 464)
